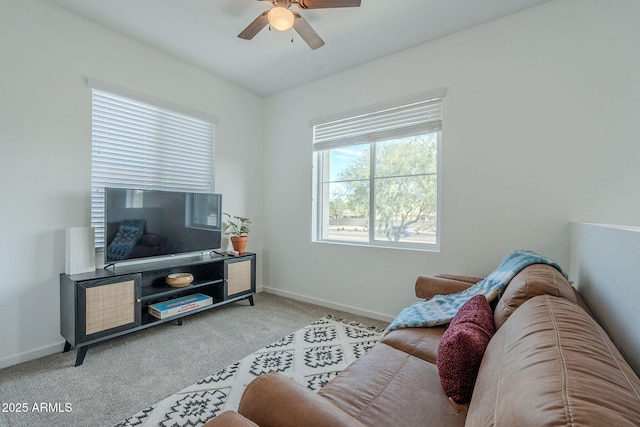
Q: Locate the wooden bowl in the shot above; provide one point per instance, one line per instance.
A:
(178, 280)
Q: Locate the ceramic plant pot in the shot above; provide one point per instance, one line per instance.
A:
(239, 243)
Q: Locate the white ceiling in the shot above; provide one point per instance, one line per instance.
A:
(204, 33)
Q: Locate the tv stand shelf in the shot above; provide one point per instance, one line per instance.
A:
(107, 303)
(155, 291)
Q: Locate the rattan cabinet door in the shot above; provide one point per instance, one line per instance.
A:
(239, 276)
(108, 306)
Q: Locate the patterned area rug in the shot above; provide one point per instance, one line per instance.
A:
(311, 356)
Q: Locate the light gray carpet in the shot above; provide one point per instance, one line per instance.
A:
(311, 356)
(127, 374)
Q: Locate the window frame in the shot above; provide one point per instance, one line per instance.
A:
(320, 154)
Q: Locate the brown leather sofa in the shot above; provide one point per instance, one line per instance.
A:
(549, 363)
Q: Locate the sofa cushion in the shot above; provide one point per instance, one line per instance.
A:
(534, 280)
(552, 364)
(462, 346)
(388, 387)
(419, 342)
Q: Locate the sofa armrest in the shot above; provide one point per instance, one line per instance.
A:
(230, 419)
(469, 279)
(277, 401)
(429, 286)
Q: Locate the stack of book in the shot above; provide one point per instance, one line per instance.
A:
(181, 305)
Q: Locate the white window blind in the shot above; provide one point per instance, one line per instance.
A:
(409, 118)
(139, 145)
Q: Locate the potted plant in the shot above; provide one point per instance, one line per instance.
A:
(238, 228)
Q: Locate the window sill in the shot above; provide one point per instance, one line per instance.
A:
(383, 245)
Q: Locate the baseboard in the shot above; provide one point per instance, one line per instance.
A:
(31, 355)
(328, 304)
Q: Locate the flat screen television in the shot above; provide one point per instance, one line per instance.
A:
(152, 223)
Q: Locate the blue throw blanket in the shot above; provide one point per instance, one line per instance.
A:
(441, 309)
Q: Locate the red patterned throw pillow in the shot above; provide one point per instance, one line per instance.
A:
(462, 346)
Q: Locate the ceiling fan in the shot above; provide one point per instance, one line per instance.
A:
(281, 18)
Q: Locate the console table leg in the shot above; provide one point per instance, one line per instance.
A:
(81, 353)
(180, 321)
(251, 300)
(67, 347)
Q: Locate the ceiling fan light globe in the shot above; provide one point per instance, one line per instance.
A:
(281, 18)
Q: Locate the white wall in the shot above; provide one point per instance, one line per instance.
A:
(45, 147)
(540, 128)
(604, 264)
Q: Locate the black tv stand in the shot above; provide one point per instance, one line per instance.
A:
(108, 303)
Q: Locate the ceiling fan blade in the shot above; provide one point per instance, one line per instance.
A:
(307, 33)
(254, 28)
(319, 4)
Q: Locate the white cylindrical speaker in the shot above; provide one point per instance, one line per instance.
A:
(80, 250)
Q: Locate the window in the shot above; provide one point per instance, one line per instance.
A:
(140, 143)
(376, 175)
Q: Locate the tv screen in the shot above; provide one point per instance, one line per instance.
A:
(151, 223)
